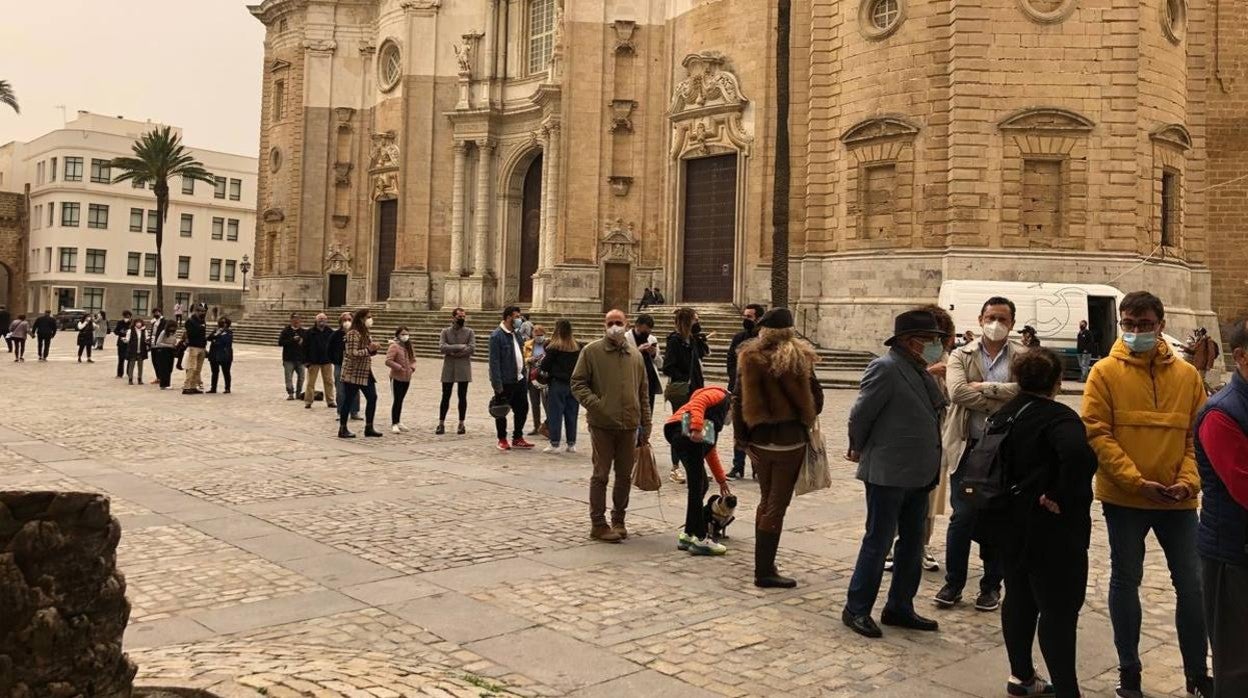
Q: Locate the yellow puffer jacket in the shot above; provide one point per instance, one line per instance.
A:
(1139, 410)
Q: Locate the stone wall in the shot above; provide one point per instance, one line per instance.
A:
(63, 602)
(14, 232)
(1227, 199)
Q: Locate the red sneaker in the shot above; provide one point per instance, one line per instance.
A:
(503, 445)
(521, 443)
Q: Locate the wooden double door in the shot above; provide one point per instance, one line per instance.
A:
(708, 263)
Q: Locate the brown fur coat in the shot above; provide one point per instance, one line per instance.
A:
(768, 408)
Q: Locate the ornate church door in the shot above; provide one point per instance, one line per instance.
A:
(530, 229)
(710, 225)
(387, 231)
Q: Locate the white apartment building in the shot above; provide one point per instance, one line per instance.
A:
(92, 243)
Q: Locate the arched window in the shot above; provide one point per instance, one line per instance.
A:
(541, 28)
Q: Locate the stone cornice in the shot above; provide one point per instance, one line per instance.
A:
(270, 10)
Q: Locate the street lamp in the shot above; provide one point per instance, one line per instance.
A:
(245, 266)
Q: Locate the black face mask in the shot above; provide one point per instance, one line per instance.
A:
(641, 336)
(459, 322)
(697, 328)
(748, 324)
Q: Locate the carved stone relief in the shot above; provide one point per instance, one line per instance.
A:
(618, 242)
(624, 30)
(338, 260)
(707, 109)
(385, 152)
(622, 115)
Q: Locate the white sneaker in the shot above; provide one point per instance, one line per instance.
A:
(403, 428)
(552, 449)
(571, 448)
(396, 429)
(706, 546)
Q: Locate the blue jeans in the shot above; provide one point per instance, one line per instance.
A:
(1085, 367)
(892, 512)
(562, 411)
(738, 461)
(1176, 532)
(354, 402)
(958, 540)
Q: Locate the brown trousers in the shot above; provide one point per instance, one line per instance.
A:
(614, 449)
(777, 475)
(326, 372)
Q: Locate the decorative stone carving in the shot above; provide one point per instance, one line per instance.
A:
(275, 159)
(320, 45)
(1174, 135)
(64, 602)
(421, 6)
(385, 152)
(624, 30)
(558, 49)
(878, 128)
(385, 185)
(618, 243)
(878, 19)
(1047, 11)
(278, 64)
(342, 173)
(368, 48)
(463, 54)
(708, 109)
(620, 184)
(338, 260)
(1050, 119)
(1174, 19)
(622, 115)
(273, 215)
(344, 115)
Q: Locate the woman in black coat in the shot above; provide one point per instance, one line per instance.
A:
(682, 364)
(86, 337)
(1044, 529)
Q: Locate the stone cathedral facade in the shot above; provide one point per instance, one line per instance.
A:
(566, 154)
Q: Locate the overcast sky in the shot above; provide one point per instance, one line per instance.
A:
(189, 63)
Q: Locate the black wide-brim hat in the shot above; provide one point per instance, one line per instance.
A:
(914, 322)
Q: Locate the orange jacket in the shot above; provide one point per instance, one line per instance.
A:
(700, 401)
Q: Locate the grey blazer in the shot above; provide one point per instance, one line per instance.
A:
(895, 424)
(457, 345)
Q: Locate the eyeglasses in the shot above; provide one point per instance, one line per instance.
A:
(1133, 326)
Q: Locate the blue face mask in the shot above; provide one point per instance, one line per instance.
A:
(932, 351)
(1140, 342)
(517, 323)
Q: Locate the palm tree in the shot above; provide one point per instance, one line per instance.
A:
(783, 174)
(158, 156)
(7, 96)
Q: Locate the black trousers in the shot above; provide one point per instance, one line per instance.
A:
(353, 391)
(162, 362)
(1044, 587)
(446, 400)
(400, 392)
(223, 369)
(1226, 607)
(121, 360)
(43, 345)
(82, 348)
(517, 395)
(691, 455)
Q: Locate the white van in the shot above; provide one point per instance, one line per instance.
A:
(1054, 309)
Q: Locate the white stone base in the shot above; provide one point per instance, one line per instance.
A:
(470, 292)
(409, 290)
(569, 289)
(293, 292)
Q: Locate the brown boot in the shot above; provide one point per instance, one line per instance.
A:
(620, 529)
(604, 533)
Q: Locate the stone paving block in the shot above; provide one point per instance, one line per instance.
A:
(650, 684)
(391, 591)
(554, 659)
(336, 570)
(43, 452)
(458, 618)
(237, 618)
(281, 545)
(174, 630)
(487, 574)
(236, 527)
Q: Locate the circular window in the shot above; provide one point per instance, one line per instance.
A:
(389, 66)
(1174, 19)
(275, 159)
(1047, 11)
(880, 18)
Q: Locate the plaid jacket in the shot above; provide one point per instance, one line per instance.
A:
(357, 360)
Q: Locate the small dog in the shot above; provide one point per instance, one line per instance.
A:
(720, 512)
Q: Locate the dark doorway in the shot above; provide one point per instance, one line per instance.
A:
(710, 226)
(387, 231)
(337, 290)
(65, 298)
(1103, 321)
(615, 287)
(530, 229)
(6, 290)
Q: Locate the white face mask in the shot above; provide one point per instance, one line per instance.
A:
(996, 331)
(615, 331)
(346, 324)
(368, 322)
(404, 337)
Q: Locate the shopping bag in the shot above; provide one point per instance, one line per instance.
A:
(645, 470)
(816, 474)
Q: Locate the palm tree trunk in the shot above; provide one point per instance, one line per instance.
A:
(162, 203)
(782, 181)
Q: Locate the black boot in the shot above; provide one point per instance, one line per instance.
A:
(737, 473)
(765, 574)
(370, 431)
(343, 433)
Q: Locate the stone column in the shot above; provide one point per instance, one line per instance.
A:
(65, 608)
(457, 209)
(550, 194)
(544, 224)
(481, 223)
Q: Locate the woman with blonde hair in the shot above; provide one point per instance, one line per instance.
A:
(776, 402)
(562, 409)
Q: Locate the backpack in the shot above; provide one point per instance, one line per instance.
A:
(985, 485)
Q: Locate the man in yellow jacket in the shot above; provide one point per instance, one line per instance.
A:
(1139, 406)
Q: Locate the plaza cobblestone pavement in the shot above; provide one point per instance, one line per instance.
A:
(264, 556)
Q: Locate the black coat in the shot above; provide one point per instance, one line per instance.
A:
(292, 342)
(196, 333)
(316, 345)
(45, 326)
(120, 329)
(682, 360)
(1087, 343)
(6, 319)
(737, 340)
(560, 364)
(337, 346)
(1048, 452)
(86, 336)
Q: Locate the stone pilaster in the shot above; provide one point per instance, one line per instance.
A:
(457, 209)
(481, 223)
